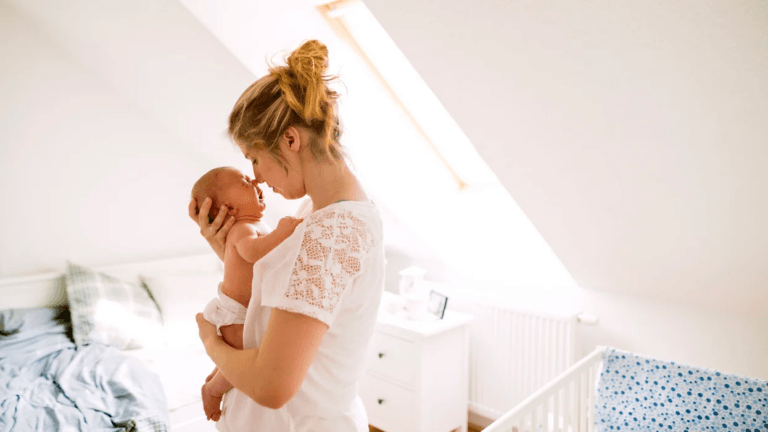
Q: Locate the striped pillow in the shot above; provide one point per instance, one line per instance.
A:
(107, 310)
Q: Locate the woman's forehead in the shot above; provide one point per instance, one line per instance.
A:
(251, 152)
(246, 149)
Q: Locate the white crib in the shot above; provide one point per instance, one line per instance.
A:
(566, 404)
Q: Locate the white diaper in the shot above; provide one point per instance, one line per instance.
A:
(223, 311)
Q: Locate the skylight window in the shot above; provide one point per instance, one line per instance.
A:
(424, 170)
(445, 137)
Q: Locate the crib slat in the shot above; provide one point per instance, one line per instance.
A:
(584, 400)
(556, 410)
(537, 424)
(568, 402)
(591, 399)
(573, 392)
(575, 398)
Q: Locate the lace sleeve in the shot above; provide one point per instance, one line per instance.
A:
(331, 254)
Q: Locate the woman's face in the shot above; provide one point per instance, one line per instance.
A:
(267, 170)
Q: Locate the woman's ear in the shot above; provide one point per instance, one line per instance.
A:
(291, 140)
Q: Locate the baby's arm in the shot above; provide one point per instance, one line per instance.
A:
(254, 247)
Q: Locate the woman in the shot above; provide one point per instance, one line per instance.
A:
(315, 296)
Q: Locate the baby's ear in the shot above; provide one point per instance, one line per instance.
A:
(232, 211)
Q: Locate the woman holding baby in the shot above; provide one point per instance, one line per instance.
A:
(315, 296)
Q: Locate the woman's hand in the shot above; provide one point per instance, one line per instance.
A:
(214, 233)
(207, 331)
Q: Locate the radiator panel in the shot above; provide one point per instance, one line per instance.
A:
(513, 353)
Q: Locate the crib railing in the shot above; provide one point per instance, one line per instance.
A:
(566, 404)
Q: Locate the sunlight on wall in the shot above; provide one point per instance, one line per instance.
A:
(418, 99)
(408, 150)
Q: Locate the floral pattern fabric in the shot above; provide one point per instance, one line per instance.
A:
(637, 393)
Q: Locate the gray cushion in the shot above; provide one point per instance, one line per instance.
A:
(108, 310)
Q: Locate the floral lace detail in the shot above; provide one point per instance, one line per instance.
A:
(331, 254)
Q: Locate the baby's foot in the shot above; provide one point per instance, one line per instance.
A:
(211, 403)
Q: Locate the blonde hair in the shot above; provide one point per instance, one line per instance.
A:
(293, 95)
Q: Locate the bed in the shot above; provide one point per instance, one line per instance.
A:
(110, 348)
(615, 390)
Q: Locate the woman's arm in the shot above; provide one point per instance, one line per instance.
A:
(271, 374)
(215, 233)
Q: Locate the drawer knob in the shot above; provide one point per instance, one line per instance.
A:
(381, 401)
(381, 355)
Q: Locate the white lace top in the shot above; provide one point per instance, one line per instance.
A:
(332, 269)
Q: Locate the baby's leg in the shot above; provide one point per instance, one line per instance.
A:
(211, 375)
(215, 384)
(233, 335)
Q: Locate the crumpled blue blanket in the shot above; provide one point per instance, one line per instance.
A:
(637, 393)
(49, 384)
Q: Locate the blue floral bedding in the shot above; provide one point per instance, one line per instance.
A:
(638, 393)
(48, 384)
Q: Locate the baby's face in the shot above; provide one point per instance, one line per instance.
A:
(242, 193)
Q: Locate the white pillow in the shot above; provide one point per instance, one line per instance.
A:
(180, 297)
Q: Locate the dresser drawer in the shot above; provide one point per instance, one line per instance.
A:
(394, 358)
(390, 407)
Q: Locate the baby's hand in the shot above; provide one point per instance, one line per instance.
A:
(211, 403)
(287, 225)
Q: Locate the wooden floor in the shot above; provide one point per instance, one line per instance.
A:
(471, 429)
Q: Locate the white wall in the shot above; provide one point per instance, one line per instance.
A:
(108, 118)
(633, 136)
(727, 341)
(722, 340)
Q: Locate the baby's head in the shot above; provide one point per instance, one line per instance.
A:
(229, 186)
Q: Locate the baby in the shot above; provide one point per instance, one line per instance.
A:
(248, 240)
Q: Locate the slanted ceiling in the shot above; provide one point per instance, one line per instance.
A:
(632, 134)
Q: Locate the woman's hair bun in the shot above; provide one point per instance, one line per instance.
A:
(309, 60)
(308, 64)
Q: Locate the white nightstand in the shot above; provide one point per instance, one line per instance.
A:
(417, 373)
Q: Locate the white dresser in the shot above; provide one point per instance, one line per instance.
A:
(417, 373)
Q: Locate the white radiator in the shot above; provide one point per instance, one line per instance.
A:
(513, 353)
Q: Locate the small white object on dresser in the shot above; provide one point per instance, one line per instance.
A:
(417, 374)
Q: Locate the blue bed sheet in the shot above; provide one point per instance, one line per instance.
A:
(49, 384)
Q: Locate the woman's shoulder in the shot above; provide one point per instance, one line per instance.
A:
(359, 213)
(355, 222)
